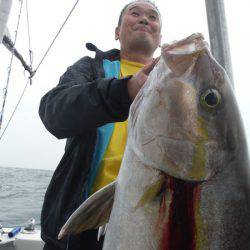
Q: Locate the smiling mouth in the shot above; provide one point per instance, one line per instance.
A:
(143, 29)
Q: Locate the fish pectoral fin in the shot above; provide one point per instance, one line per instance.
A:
(93, 213)
(152, 191)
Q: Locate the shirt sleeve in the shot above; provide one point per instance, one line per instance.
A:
(81, 101)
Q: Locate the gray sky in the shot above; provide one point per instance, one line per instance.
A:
(26, 142)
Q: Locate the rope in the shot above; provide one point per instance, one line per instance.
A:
(10, 67)
(28, 29)
(71, 11)
(29, 80)
(7, 125)
(31, 61)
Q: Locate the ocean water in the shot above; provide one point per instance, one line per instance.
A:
(21, 195)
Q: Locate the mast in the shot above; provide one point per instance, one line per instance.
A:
(8, 43)
(5, 6)
(218, 34)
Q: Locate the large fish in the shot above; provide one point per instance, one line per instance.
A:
(184, 180)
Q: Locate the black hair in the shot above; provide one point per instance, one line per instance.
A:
(125, 7)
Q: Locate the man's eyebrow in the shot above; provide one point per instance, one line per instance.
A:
(151, 10)
(133, 7)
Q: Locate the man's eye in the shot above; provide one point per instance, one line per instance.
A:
(135, 13)
(152, 17)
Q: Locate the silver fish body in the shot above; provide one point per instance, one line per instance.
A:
(184, 179)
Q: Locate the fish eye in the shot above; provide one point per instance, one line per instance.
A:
(210, 99)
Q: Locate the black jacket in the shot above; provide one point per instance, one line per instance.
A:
(82, 101)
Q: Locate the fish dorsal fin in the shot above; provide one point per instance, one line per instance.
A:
(93, 213)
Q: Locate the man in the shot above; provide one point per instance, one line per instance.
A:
(90, 106)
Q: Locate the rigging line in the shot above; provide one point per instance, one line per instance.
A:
(10, 67)
(25, 87)
(30, 51)
(28, 29)
(55, 37)
(7, 125)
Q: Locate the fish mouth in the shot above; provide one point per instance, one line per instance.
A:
(184, 159)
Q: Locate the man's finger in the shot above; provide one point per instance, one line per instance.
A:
(148, 68)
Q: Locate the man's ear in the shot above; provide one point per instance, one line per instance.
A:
(117, 33)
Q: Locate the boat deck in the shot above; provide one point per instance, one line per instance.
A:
(25, 240)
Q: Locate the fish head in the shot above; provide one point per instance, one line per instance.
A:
(182, 121)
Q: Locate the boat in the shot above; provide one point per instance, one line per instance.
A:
(30, 239)
(23, 240)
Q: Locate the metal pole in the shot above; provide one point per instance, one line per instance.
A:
(10, 46)
(218, 35)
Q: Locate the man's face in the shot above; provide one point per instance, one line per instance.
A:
(140, 27)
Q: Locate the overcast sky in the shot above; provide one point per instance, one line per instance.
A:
(26, 143)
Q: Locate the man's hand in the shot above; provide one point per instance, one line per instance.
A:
(136, 82)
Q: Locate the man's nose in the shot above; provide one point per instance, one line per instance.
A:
(144, 20)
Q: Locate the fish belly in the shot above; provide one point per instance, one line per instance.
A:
(132, 226)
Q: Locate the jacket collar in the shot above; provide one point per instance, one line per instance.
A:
(112, 55)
